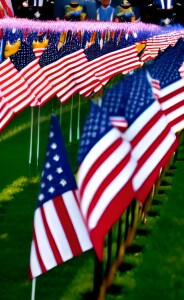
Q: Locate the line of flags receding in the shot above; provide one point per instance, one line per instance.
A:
(125, 142)
(31, 77)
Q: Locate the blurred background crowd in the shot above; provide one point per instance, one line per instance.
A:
(161, 12)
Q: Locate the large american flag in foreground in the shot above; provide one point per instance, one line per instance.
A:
(104, 176)
(59, 232)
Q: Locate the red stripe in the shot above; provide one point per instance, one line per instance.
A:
(146, 129)
(144, 190)
(103, 157)
(106, 182)
(53, 245)
(67, 225)
(110, 216)
(171, 94)
(41, 263)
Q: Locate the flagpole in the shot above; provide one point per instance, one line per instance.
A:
(71, 121)
(38, 138)
(31, 138)
(33, 289)
(78, 120)
(60, 114)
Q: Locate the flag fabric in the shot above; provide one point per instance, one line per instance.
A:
(117, 62)
(165, 70)
(153, 46)
(59, 232)
(85, 79)
(181, 70)
(104, 176)
(15, 92)
(148, 131)
(6, 9)
(29, 68)
(60, 72)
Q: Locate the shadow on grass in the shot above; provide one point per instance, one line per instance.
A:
(115, 289)
(134, 249)
(152, 213)
(143, 231)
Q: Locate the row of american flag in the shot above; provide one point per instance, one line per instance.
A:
(126, 141)
(31, 77)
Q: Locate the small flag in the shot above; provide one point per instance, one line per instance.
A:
(59, 232)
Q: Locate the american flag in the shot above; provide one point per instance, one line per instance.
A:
(7, 8)
(153, 46)
(165, 71)
(104, 175)
(152, 141)
(60, 72)
(117, 62)
(29, 68)
(59, 232)
(85, 79)
(150, 136)
(15, 93)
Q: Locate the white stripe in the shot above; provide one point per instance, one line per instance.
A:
(172, 87)
(149, 138)
(110, 192)
(34, 263)
(92, 155)
(142, 120)
(153, 161)
(101, 173)
(172, 101)
(179, 126)
(57, 230)
(77, 221)
(175, 114)
(43, 243)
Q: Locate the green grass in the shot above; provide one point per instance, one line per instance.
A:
(153, 266)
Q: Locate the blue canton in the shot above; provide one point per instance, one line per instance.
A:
(137, 96)
(89, 132)
(93, 51)
(23, 57)
(165, 67)
(57, 176)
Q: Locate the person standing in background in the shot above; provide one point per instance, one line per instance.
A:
(105, 12)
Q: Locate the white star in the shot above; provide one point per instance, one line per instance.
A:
(51, 190)
(63, 182)
(54, 146)
(59, 170)
(51, 134)
(41, 197)
(56, 157)
(43, 173)
(47, 165)
(49, 177)
(42, 185)
(47, 153)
